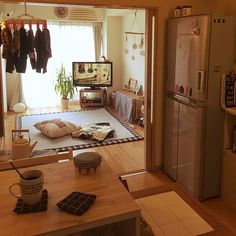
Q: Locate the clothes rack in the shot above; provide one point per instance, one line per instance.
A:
(19, 43)
(25, 18)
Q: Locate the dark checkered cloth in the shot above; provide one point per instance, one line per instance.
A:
(77, 203)
(22, 208)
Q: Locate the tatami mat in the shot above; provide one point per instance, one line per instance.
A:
(168, 214)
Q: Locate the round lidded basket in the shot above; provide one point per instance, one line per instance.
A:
(87, 161)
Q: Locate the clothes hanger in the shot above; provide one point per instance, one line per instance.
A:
(25, 18)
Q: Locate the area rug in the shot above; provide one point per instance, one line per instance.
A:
(122, 131)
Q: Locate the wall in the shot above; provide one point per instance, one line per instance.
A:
(74, 13)
(117, 22)
(227, 6)
(114, 49)
(133, 68)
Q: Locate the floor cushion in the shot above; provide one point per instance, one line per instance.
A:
(56, 127)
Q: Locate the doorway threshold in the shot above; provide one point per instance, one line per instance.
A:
(132, 173)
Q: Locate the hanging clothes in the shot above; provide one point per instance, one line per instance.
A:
(31, 51)
(46, 48)
(8, 49)
(21, 60)
(43, 49)
(16, 42)
(38, 46)
(16, 45)
(21, 44)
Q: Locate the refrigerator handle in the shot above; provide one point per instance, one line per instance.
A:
(201, 81)
(182, 99)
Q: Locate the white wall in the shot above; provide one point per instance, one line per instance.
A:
(75, 13)
(133, 68)
(114, 50)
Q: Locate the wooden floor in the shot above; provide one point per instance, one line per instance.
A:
(126, 158)
(123, 158)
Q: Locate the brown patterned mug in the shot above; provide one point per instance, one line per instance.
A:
(31, 187)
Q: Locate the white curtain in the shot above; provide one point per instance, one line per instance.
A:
(69, 42)
(17, 95)
(97, 33)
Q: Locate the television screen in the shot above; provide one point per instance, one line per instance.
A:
(92, 74)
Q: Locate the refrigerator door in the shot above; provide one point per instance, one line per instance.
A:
(171, 138)
(191, 147)
(188, 55)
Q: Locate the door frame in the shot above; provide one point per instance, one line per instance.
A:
(2, 133)
(152, 146)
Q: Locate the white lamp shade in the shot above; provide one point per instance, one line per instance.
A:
(19, 107)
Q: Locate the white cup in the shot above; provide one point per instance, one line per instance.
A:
(31, 187)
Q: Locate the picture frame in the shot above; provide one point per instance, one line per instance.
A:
(132, 84)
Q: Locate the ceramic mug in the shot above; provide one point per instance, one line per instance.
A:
(31, 187)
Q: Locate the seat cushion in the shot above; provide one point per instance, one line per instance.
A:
(56, 127)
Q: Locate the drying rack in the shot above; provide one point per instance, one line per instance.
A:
(25, 18)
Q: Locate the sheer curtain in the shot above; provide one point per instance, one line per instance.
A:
(69, 42)
(97, 29)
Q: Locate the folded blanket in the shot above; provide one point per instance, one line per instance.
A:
(97, 131)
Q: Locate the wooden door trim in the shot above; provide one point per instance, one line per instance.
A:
(1, 100)
(151, 59)
(150, 87)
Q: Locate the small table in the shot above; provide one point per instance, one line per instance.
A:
(113, 204)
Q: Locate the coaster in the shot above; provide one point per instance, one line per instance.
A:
(22, 208)
(77, 203)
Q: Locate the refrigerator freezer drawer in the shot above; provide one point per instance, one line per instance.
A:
(191, 147)
(171, 138)
(184, 143)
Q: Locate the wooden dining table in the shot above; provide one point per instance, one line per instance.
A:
(114, 207)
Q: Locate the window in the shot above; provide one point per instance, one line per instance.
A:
(69, 42)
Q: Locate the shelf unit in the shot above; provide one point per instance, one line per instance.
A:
(92, 97)
(228, 188)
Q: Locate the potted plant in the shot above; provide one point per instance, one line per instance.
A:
(64, 86)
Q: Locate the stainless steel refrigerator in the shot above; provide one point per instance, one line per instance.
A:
(200, 49)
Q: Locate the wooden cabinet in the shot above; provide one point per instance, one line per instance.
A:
(92, 97)
(228, 188)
